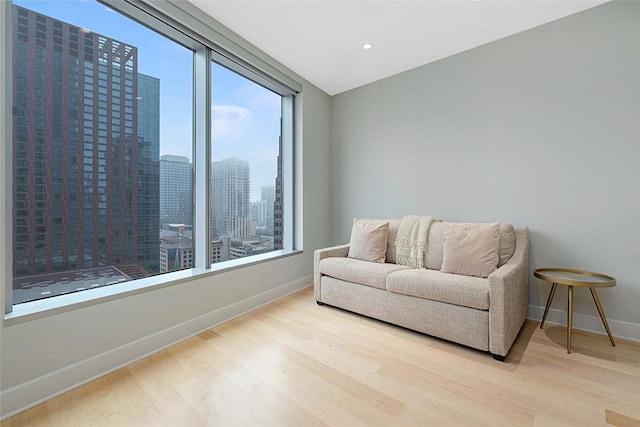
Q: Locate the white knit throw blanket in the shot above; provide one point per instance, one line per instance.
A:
(411, 243)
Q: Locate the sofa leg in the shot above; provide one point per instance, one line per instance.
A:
(319, 303)
(498, 357)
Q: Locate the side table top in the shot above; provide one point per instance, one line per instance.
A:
(571, 277)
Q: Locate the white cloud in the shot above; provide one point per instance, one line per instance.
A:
(228, 120)
(261, 99)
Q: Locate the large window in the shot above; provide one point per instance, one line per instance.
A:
(109, 130)
(245, 147)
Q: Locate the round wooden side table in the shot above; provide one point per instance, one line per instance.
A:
(571, 278)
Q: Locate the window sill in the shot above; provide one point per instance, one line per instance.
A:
(60, 304)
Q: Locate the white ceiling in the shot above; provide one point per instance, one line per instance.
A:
(322, 40)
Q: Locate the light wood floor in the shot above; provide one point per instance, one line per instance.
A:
(294, 363)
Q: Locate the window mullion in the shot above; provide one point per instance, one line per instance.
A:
(6, 227)
(202, 156)
(286, 147)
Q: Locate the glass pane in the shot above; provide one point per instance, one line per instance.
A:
(98, 98)
(245, 166)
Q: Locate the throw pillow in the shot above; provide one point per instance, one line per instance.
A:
(470, 249)
(368, 240)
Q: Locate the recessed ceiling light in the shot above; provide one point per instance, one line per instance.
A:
(367, 46)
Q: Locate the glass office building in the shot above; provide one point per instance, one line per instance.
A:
(176, 196)
(86, 151)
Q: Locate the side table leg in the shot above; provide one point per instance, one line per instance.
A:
(602, 316)
(569, 319)
(549, 299)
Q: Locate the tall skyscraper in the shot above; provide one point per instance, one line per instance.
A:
(278, 224)
(176, 196)
(148, 100)
(268, 197)
(230, 199)
(148, 144)
(85, 150)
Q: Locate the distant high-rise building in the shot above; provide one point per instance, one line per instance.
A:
(148, 165)
(269, 196)
(230, 199)
(259, 213)
(149, 111)
(176, 196)
(278, 225)
(85, 150)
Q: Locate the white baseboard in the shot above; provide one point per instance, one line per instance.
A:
(41, 389)
(619, 328)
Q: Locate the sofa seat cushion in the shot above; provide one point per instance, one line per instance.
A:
(434, 285)
(363, 272)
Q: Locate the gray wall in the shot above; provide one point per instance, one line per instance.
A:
(539, 129)
(42, 357)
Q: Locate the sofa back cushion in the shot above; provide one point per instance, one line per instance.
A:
(394, 226)
(433, 257)
(507, 245)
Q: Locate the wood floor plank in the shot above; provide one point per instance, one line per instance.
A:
(620, 420)
(357, 367)
(375, 406)
(293, 380)
(377, 381)
(294, 363)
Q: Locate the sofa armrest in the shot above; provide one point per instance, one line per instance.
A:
(320, 254)
(509, 297)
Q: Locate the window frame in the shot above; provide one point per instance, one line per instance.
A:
(186, 25)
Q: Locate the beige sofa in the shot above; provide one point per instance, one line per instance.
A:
(482, 313)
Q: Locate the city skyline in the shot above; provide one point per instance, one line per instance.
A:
(176, 194)
(245, 116)
(92, 184)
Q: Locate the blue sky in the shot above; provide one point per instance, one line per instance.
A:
(246, 116)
